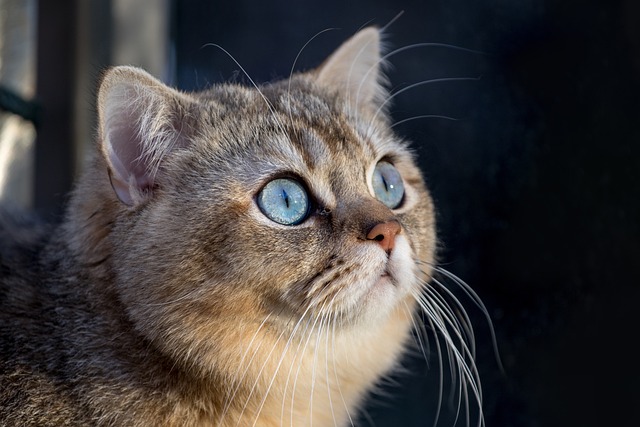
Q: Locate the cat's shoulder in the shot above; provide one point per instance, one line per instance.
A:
(22, 238)
(21, 230)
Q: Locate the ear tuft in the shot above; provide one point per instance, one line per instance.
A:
(354, 69)
(140, 122)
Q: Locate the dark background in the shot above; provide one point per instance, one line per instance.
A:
(535, 182)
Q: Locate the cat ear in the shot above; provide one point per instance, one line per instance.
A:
(140, 122)
(354, 70)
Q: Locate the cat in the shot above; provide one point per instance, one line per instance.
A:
(233, 257)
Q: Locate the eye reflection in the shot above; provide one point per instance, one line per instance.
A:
(387, 185)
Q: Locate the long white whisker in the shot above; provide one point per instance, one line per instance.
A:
(412, 86)
(460, 313)
(304, 349)
(435, 321)
(335, 373)
(423, 116)
(282, 357)
(476, 299)
(300, 341)
(324, 323)
(459, 355)
(229, 400)
(313, 368)
(189, 294)
(295, 61)
(447, 316)
(434, 314)
(257, 380)
(348, 88)
(464, 324)
(373, 67)
(394, 19)
(326, 364)
(451, 320)
(419, 332)
(273, 112)
(440, 364)
(454, 368)
(384, 58)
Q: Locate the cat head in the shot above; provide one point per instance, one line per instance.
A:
(231, 206)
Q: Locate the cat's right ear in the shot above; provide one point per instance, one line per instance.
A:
(140, 122)
(355, 70)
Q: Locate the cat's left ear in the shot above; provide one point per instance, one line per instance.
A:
(141, 122)
(354, 70)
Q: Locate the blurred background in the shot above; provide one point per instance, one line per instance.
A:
(536, 181)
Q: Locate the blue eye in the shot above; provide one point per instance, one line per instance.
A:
(387, 185)
(284, 201)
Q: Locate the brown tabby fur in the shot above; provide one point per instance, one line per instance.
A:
(168, 299)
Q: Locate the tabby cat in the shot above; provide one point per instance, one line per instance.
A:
(241, 256)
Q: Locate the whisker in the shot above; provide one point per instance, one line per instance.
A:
(429, 44)
(304, 349)
(291, 369)
(178, 299)
(440, 377)
(429, 319)
(468, 290)
(394, 19)
(434, 313)
(229, 400)
(313, 368)
(454, 355)
(443, 319)
(273, 112)
(293, 66)
(266, 361)
(326, 365)
(423, 116)
(284, 353)
(324, 323)
(373, 67)
(335, 374)
(351, 68)
(476, 299)
(384, 59)
(412, 86)
(419, 332)
(455, 371)
(451, 320)
(464, 324)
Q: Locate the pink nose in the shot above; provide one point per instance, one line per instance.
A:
(385, 234)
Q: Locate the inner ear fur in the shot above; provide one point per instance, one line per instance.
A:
(141, 121)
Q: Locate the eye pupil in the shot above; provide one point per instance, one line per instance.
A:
(387, 185)
(284, 201)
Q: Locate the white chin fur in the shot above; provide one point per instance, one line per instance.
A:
(376, 296)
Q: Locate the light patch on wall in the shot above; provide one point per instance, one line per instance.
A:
(16, 161)
(17, 74)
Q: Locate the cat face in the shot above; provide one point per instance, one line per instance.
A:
(288, 202)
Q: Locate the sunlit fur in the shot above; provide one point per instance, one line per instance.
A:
(168, 298)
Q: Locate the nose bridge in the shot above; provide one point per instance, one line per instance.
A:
(361, 216)
(358, 214)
